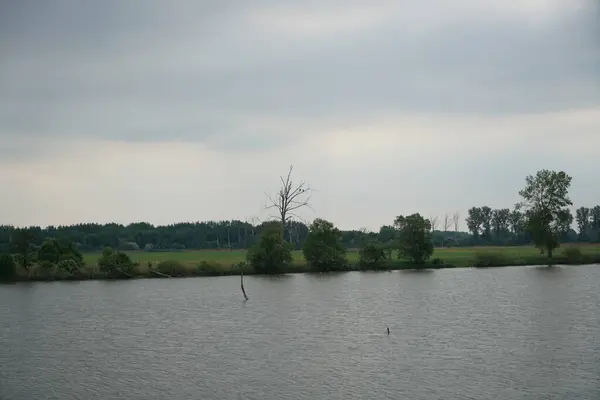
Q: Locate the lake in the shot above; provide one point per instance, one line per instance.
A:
(502, 333)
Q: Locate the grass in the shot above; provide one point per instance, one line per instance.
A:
(459, 256)
(224, 262)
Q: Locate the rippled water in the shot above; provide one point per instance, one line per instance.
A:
(507, 333)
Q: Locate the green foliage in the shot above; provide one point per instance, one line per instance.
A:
(372, 256)
(54, 251)
(271, 255)
(414, 238)
(116, 264)
(323, 249)
(23, 245)
(8, 267)
(68, 265)
(546, 195)
(485, 259)
(573, 255)
(172, 268)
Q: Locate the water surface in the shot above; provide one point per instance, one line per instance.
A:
(505, 333)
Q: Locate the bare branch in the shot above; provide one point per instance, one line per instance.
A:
(447, 222)
(289, 198)
(434, 222)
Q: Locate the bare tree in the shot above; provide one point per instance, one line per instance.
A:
(253, 221)
(290, 198)
(434, 223)
(456, 222)
(447, 222)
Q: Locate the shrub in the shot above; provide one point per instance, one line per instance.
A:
(372, 255)
(68, 265)
(485, 259)
(172, 268)
(323, 248)
(207, 268)
(57, 250)
(271, 254)
(116, 264)
(437, 261)
(572, 255)
(8, 267)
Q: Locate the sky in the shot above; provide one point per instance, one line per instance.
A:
(114, 111)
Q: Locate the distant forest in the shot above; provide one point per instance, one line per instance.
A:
(487, 226)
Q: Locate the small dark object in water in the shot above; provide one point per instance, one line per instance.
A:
(388, 330)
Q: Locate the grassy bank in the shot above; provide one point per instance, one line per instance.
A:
(460, 256)
(216, 263)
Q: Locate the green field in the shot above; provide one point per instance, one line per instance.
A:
(460, 256)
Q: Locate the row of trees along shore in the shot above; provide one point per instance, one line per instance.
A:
(542, 218)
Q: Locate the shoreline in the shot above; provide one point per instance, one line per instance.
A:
(206, 269)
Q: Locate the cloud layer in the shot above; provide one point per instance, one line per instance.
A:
(163, 112)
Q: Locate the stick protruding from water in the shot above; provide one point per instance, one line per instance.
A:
(388, 329)
(242, 285)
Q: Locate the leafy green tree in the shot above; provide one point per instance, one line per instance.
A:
(372, 255)
(564, 220)
(582, 214)
(595, 222)
(116, 264)
(8, 267)
(387, 234)
(474, 221)
(500, 222)
(23, 246)
(414, 238)
(545, 196)
(271, 254)
(486, 220)
(323, 249)
(54, 251)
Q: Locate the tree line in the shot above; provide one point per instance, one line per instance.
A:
(542, 217)
(486, 226)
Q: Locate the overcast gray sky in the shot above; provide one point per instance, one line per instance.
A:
(165, 111)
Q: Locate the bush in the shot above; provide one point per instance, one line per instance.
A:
(172, 268)
(208, 268)
(116, 264)
(437, 261)
(68, 265)
(323, 248)
(271, 254)
(489, 259)
(572, 255)
(8, 267)
(372, 256)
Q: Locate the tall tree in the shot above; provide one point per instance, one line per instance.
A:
(564, 220)
(323, 249)
(455, 223)
(289, 198)
(486, 221)
(582, 214)
(414, 238)
(23, 245)
(474, 221)
(500, 222)
(595, 222)
(545, 195)
(433, 222)
(516, 222)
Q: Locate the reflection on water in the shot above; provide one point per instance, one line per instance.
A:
(500, 333)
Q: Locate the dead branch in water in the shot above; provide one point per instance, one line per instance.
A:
(242, 285)
(160, 273)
